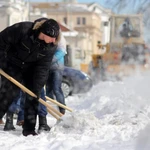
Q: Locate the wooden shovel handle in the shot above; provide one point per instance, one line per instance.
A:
(57, 103)
(29, 92)
(50, 107)
(53, 114)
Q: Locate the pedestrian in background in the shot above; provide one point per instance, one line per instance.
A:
(53, 85)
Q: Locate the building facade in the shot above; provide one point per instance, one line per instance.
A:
(13, 11)
(90, 21)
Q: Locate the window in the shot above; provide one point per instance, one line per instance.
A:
(78, 20)
(81, 20)
(84, 20)
(65, 20)
(106, 23)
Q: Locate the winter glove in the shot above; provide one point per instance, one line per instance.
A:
(29, 97)
(38, 94)
(62, 110)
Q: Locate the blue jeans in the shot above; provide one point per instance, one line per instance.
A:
(15, 107)
(18, 105)
(42, 111)
(22, 103)
(53, 86)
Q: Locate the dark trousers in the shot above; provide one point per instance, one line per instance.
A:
(53, 86)
(9, 91)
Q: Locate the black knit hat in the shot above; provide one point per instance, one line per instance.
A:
(50, 28)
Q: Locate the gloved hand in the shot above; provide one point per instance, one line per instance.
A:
(32, 97)
(62, 110)
(38, 94)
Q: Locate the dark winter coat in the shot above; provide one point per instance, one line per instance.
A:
(19, 46)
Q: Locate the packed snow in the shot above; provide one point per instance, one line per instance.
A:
(113, 115)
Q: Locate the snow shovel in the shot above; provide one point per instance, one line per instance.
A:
(50, 109)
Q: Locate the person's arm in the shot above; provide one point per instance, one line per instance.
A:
(61, 50)
(9, 37)
(57, 56)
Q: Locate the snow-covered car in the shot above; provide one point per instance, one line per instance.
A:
(75, 81)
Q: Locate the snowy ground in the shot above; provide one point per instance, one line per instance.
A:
(112, 116)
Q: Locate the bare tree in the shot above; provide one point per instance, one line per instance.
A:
(120, 6)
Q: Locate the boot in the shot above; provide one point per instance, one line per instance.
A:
(27, 133)
(9, 122)
(43, 124)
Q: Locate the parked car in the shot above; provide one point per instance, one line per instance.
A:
(75, 82)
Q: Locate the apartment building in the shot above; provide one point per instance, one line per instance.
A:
(13, 11)
(90, 21)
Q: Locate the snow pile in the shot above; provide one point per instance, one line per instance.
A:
(112, 116)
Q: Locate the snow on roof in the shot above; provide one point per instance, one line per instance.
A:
(67, 31)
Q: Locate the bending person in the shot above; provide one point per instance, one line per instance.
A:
(26, 52)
